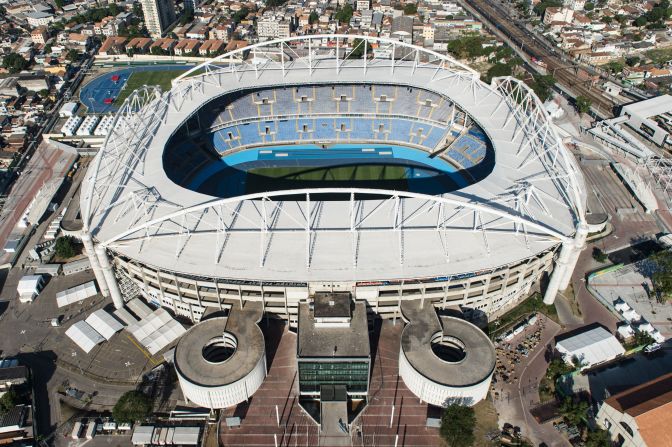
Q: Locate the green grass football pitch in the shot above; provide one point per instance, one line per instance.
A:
(337, 173)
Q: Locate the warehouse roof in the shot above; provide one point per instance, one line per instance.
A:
(591, 346)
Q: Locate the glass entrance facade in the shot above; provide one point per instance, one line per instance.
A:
(353, 374)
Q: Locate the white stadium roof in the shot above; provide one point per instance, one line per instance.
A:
(533, 199)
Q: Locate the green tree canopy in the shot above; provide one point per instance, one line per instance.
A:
(15, 63)
(470, 46)
(614, 67)
(358, 46)
(540, 7)
(543, 86)
(8, 401)
(313, 18)
(589, 6)
(132, 406)
(344, 14)
(598, 438)
(410, 9)
(496, 70)
(72, 55)
(576, 413)
(583, 104)
(240, 14)
(457, 425)
(65, 247)
(640, 21)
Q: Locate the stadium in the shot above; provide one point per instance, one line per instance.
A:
(339, 164)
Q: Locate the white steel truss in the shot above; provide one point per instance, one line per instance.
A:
(115, 189)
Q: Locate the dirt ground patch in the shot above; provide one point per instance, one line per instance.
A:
(486, 423)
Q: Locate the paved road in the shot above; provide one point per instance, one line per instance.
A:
(517, 398)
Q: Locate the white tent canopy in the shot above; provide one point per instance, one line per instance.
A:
(157, 330)
(104, 323)
(84, 336)
(76, 294)
(594, 346)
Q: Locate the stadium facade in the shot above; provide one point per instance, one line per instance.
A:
(486, 198)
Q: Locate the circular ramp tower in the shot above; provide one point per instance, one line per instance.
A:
(444, 360)
(221, 361)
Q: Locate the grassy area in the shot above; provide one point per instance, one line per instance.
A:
(486, 423)
(150, 77)
(660, 56)
(337, 173)
(532, 304)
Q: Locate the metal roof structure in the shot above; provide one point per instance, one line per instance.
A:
(532, 201)
(157, 330)
(596, 345)
(105, 324)
(84, 336)
(75, 294)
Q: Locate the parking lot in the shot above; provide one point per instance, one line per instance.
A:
(627, 284)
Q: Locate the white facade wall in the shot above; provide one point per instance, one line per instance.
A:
(611, 419)
(436, 393)
(492, 292)
(226, 395)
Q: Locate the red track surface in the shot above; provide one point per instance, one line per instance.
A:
(259, 423)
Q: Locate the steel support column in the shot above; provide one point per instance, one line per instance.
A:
(95, 264)
(112, 284)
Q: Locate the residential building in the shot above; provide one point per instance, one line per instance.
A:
(39, 35)
(640, 416)
(187, 46)
(39, 18)
(159, 15)
(553, 14)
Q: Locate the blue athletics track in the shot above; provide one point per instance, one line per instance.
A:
(94, 93)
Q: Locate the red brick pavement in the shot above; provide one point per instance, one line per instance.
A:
(259, 424)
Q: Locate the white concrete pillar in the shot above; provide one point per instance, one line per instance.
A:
(558, 272)
(105, 265)
(579, 246)
(95, 264)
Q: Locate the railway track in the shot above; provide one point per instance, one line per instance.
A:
(565, 72)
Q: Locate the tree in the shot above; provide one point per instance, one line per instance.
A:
(614, 67)
(598, 254)
(410, 9)
(15, 63)
(575, 413)
(358, 46)
(583, 106)
(344, 14)
(589, 6)
(59, 4)
(157, 51)
(8, 401)
(240, 14)
(598, 438)
(543, 86)
(43, 93)
(313, 17)
(457, 425)
(187, 17)
(540, 7)
(132, 406)
(65, 247)
(632, 61)
(496, 70)
(72, 55)
(640, 21)
(643, 338)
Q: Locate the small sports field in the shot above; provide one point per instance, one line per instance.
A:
(138, 79)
